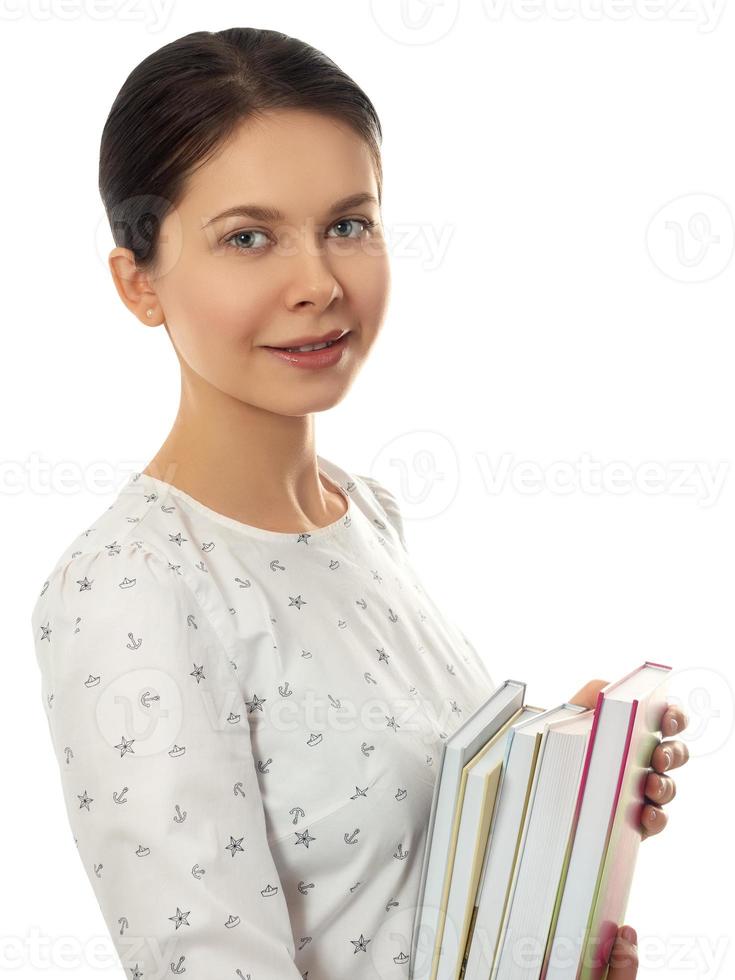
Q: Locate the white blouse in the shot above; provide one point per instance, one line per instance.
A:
(247, 725)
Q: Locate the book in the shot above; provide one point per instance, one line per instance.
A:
(456, 751)
(545, 837)
(598, 873)
(483, 774)
(533, 834)
(503, 848)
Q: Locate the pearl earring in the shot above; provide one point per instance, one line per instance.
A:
(149, 312)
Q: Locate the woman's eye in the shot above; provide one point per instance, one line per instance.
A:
(242, 241)
(246, 235)
(353, 221)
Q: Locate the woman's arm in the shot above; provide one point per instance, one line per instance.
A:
(153, 744)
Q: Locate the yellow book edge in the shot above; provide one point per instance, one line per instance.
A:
(490, 796)
(501, 733)
(472, 909)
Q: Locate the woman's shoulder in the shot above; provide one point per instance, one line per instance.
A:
(107, 532)
(374, 499)
(120, 549)
(103, 579)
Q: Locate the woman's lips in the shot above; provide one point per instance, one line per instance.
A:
(325, 357)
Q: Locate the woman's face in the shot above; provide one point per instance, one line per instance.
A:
(229, 287)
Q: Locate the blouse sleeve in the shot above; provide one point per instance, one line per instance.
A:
(152, 740)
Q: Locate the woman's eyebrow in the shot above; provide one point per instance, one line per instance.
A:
(262, 212)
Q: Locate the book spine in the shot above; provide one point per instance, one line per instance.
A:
(466, 954)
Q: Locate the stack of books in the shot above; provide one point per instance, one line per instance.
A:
(533, 834)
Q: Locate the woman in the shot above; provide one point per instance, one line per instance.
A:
(246, 683)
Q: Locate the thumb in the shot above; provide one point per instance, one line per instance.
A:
(624, 955)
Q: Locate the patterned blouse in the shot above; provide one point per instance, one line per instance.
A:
(247, 725)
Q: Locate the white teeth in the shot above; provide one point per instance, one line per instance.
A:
(311, 347)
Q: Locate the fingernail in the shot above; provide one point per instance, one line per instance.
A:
(674, 726)
(660, 785)
(629, 933)
(667, 756)
(652, 813)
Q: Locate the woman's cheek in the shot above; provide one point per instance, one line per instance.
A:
(373, 294)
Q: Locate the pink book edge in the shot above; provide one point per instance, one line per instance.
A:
(583, 782)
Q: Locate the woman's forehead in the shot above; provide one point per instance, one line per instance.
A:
(274, 181)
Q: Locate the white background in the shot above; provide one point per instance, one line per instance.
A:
(551, 398)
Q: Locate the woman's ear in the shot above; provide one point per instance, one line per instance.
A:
(133, 287)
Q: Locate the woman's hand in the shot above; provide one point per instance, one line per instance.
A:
(659, 789)
(623, 959)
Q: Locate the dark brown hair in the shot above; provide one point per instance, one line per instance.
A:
(184, 100)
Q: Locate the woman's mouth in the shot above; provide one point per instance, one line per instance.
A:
(313, 355)
(309, 346)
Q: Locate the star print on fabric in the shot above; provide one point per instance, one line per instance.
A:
(198, 672)
(392, 723)
(46, 632)
(234, 845)
(85, 800)
(124, 746)
(297, 601)
(84, 584)
(383, 655)
(113, 549)
(181, 918)
(136, 974)
(256, 703)
(304, 536)
(303, 838)
(359, 792)
(360, 944)
(177, 539)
